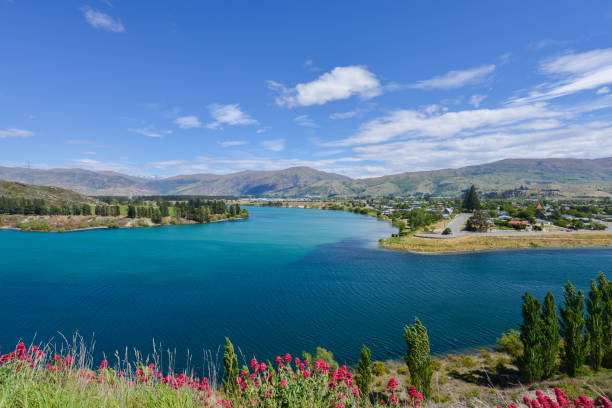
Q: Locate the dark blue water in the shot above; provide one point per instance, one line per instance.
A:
(285, 280)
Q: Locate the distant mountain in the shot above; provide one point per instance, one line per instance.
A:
(111, 183)
(568, 176)
(14, 189)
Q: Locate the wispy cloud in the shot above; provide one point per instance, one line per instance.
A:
(102, 21)
(456, 79)
(343, 115)
(305, 120)
(230, 143)
(412, 123)
(340, 83)
(228, 115)
(603, 90)
(476, 100)
(14, 132)
(150, 131)
(188, 122)
(275, 145)
(575, 73)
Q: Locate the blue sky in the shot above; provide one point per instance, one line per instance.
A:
(360, 88)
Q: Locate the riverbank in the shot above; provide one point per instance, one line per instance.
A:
(72, 223)
(467, 243)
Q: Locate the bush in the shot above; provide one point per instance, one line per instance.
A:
(379, 368)
(447, 231)
(510, 343)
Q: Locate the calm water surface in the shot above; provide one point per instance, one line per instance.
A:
(283, 281)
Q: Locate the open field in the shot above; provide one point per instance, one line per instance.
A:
(468, 243)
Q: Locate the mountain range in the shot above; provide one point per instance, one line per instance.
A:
(570, 177)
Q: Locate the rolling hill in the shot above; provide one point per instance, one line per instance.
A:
(52, 195)
(569, 177)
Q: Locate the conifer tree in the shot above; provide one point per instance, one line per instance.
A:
(230, 368)
(606, 300)
(471, 201)
(531, 361)
(572, 330)
(364, 373)
(131, 213)
(550, 337)
(418, 358)
(594, 327)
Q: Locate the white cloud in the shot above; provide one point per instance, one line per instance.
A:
(412, 123)
(340, 83)
(576, 72)
(304, 120)
(476, 100)
(89, 153)
(603, 90)
(230, 143)
(150, 131)
(456, 79)
(188, 122)
(275, 145)
(228, 115)
(14, 132)
(343, 115)
(103, 21)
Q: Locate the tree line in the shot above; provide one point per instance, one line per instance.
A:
(39, 206)
(579, 333)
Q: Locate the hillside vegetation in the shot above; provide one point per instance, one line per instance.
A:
(53, 195)
(565, 177)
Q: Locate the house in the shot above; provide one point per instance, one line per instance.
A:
(517, 222)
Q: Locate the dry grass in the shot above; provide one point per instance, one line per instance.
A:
(484, 243)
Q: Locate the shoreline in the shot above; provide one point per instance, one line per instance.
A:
(467, 244)
(127, 226)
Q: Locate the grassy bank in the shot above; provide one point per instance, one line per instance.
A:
(411, 243)
(44, 377)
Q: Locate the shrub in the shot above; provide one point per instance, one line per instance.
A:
(447, 231)
(510, 343)
(379, 368)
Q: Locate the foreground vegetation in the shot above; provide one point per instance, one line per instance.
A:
(565, 358)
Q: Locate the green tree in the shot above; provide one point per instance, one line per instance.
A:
(230, 368)
(479, 222)
(327, 356)
(606, 289)
(471, 201)
(595, 326)
(364, 373)
(131, 213)
(530, 362)
(572, 330)
(418, 358)
(550, 337)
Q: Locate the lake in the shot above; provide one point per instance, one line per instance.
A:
(285, 280)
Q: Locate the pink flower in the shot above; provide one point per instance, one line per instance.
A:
(287, 358)
(104, 364)
(283, 383)
(392, 385)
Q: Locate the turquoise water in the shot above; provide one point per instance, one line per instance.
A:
(283, 281)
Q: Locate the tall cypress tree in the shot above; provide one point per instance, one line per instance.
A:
(364, 373)
(531, 362)
(594, 326)
(606, 300)
(230, 368)
(572, 330)
(471, 201)
(550, 337)
(418, 358)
